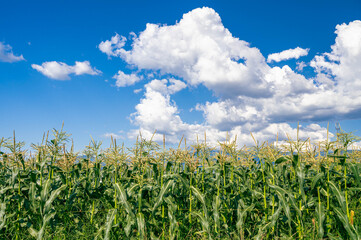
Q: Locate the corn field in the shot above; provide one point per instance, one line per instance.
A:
(296, 190)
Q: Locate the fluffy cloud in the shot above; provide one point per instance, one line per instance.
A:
(113, 47)
(199, 50)
(61, 71)
(7, 55)
(252, 95)
(287, 54)
(124, 80)
(156, 111)
(343, 62)
(162, 87)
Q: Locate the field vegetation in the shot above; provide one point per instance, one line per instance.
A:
(296, 190)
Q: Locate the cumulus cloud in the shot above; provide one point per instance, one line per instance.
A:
(162, 87)
(343, 62)
(252, 95)
(295, 53)
(113, 47)
(124, 80)
(199, 50)
(156, 111)
(61, 71)
(7, 55)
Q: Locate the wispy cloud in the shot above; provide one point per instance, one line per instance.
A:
(113, 135)
(287, 54)
(7, 55)
(301, 66)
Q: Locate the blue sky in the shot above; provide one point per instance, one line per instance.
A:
(177, 87)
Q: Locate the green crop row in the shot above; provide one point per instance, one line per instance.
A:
(298, 191)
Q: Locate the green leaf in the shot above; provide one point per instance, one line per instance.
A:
(122, 196)
(320, 212)
(46, 220)
(141, 225)
(109, 222)
(33, 232)
(281, 160)
(204, 222)
(356, 173)
(2, 215)
(340, 197)
(52, 197)
(130, 221)
(316, 179)
(3, 191)
(216, 205)
(342, 216)
(242, 212)
(201, 198)
(163, 191)
(45, 190)
(291, 198)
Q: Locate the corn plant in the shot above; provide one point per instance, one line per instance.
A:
(302, 190)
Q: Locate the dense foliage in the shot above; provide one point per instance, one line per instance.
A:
(298, 191)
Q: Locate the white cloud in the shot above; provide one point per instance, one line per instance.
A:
(156, 111)
(113, 135)
(300, 66)
(200, 50)
(355, 146)
(176, 86)
(7, 55)
(252, 96)
(124, 80)
(61, 71)
(287, 54)
(162, 87)
(136, 91)
(113, 47)
(344, 61)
